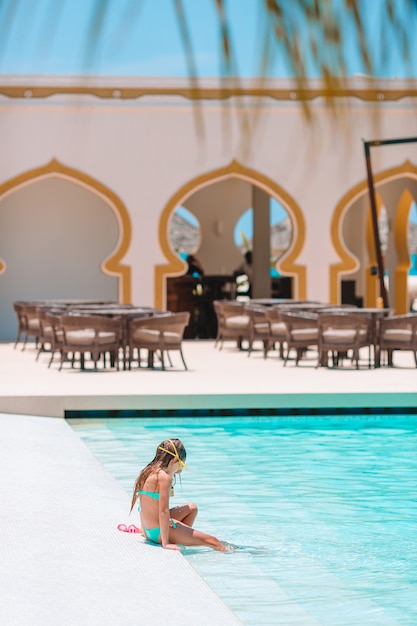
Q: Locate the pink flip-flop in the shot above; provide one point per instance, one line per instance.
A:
(128, 529)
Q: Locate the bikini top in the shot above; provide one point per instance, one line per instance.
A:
(151, 494)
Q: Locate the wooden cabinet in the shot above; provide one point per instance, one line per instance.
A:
(185, 293)
(181, 296)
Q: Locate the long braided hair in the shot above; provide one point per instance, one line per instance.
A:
(160, 461)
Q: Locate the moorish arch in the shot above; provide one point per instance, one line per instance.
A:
(348, 262)
(112, 266)
(174, 265)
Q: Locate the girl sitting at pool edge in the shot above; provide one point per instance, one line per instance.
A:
(160, 524)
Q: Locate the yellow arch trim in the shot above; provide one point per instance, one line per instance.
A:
(233, 170)
(112, 265)
(348, 262)
(403, 258)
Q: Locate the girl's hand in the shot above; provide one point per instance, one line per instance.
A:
(172, 546)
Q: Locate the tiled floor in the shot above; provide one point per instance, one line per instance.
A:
(215, 379)
(63, 559)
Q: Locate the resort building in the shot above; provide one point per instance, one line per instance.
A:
(95, 170)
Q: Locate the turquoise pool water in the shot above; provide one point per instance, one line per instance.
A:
(326, 508)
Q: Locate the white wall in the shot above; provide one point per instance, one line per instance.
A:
(54, 237)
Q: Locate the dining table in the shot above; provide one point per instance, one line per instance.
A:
(279, 301)
(70, 302)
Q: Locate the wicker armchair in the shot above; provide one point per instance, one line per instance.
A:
(52, 333)
(233, 322)
(157, 334)
(398, 333)
(45, 332)
(278, 334)
(342, 334)
(90, 334)
(301, 331)
(28, 322)
(258, 327)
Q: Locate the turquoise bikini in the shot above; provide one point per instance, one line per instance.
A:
(151, 494)
(154, 534)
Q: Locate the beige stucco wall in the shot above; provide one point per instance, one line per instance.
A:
(147, 149)
(54, 238)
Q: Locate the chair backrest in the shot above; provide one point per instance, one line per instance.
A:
(31, 309)
(409, 319)
(175, 322)
(51, 319)
(28, 315)
(273, 314)
(407, 322)
(167, 321)
(96, 323)
(48, 320)
(343, 320)
(360, 326)
(257, 313)
(299, 319)
(21, 317)
(227, 308)
(42, 319)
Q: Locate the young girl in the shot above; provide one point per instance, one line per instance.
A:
(160, 524)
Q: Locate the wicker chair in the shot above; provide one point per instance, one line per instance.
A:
(342, 334)
(45, 332)
(398, 333)
(52, 334)
(233, 322)
(277, 330)
(158, 334)
(90, 334)
(301, 331)
(258, 327)
(28, 322)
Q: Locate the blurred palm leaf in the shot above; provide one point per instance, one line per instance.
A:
(309, 36)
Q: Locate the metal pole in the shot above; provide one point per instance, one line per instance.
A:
(391, 142)
(380, 262)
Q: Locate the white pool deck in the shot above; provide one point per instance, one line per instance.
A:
(63, 561)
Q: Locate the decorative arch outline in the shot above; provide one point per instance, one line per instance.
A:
(348, 262)
(113, 265)
(234, 170)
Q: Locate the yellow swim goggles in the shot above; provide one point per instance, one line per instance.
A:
(174, 454)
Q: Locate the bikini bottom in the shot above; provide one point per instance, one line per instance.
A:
(154, 534)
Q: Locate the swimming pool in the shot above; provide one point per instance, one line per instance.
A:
(326, 508)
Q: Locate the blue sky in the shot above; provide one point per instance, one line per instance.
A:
(142, 37)
(413, 213)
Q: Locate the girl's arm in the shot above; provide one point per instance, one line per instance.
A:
(164, 489)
